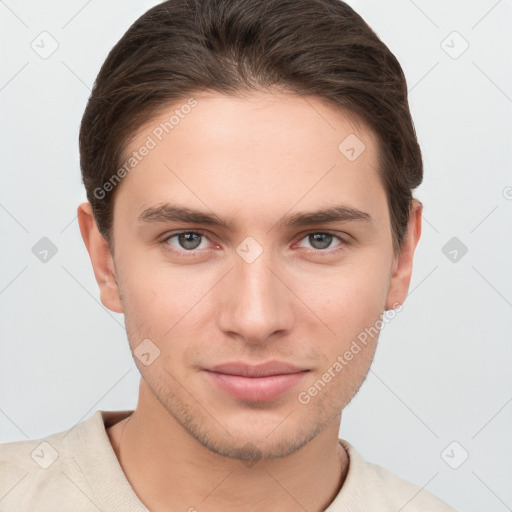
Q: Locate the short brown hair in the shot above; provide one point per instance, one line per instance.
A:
(309, 47)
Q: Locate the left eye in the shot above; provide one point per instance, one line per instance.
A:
(322, 240)
(189, 240)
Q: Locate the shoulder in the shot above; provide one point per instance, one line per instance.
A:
(27, 468)
(27, 455)
(380, 489)
(48, 473)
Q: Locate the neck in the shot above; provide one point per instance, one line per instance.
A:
(170, 470)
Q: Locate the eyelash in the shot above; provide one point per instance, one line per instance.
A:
(194, 252)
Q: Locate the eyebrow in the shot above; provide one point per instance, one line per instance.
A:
(173, 213)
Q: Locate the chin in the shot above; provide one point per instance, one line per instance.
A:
(252, 449)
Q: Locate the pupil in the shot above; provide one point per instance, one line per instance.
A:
(187, 238)
(323, 243)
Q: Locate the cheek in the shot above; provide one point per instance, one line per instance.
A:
(350, 303)
(344, 358)
(349, 296)
(164, 304)
(151, 288)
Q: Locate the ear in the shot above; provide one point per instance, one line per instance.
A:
(402, 262)
(101, 259)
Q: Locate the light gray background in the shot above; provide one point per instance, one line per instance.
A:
(443, 365)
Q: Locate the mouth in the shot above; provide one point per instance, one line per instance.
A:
(255, 383)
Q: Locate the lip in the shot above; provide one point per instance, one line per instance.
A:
(256, 370)
(255, 383)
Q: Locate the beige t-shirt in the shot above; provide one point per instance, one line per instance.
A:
(77, 471)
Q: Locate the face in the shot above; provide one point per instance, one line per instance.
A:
(220, 267)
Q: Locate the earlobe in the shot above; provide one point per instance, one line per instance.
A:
(403, 261)
(101, 258)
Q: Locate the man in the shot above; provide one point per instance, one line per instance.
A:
(249, 168)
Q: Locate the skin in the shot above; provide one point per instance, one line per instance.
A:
(252, 160)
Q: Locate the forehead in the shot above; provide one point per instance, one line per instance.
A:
(259, 147)
(276, 119)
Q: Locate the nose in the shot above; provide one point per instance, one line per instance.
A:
(255, 303)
